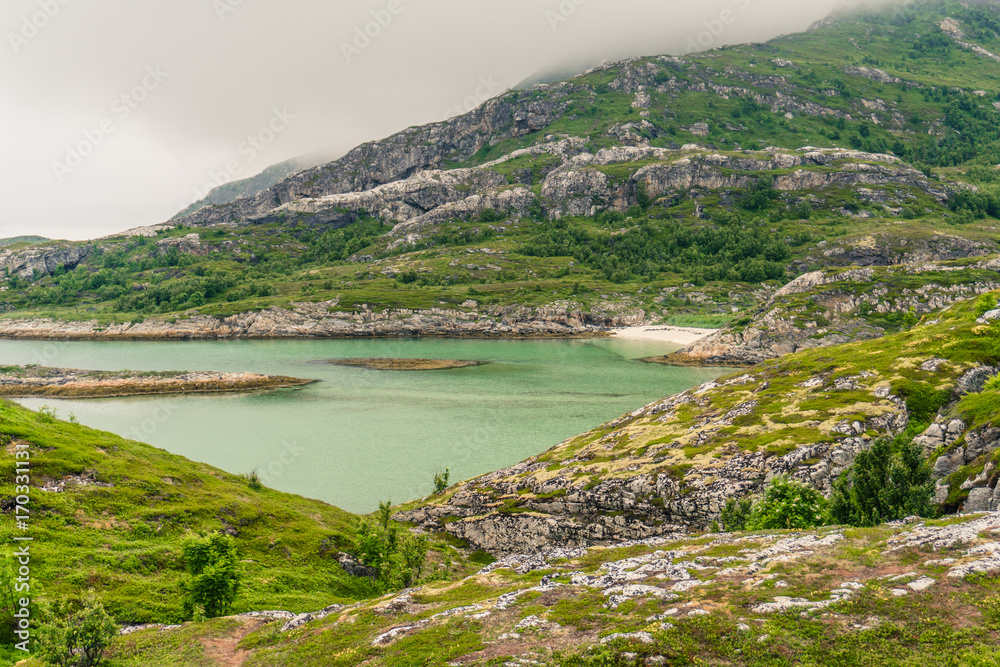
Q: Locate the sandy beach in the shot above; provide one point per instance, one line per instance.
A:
(665, 334)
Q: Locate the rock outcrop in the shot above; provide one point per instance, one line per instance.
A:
(43, 260)
(320, 320)
(832, 307)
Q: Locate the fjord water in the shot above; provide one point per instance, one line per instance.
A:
(360, 436)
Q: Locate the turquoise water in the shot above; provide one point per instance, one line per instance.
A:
(360, 436)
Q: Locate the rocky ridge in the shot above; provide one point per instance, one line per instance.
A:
(672, 465)
(834, 306)
(22, 381)
(321, 320)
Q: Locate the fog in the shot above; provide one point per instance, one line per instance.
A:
(118, 113)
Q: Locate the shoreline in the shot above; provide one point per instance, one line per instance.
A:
(36, 382)
(661, 333)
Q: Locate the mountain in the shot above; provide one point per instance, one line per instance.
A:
(30, 240)
(659, 189)
(248, 187)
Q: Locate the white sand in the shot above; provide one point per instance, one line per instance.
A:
(676, 335)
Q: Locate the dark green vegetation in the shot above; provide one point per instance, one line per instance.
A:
(395, 556)
(75, 637)
(888, 482)
(214, 575)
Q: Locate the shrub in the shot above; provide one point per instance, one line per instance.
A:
(253, 480)
(985, 304)
(736, 514)
(441, 480)
(395, 556)
(75, 638)
(888, 482)
(214, 575)
(923, 401)
(787, 504)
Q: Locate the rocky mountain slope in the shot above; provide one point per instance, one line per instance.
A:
(681, 189)
(836, 306)
(914, 593)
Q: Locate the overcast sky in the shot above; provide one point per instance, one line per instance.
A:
(116, 113)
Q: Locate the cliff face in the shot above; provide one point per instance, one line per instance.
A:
(42, 260)
(400, 156)
(673, 464)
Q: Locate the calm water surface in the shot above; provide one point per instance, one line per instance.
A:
(360, 436)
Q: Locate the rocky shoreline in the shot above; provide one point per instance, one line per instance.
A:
(36, 381)
(406, 364)
(315, 320)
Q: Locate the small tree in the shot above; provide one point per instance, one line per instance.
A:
(75, 638)
(441, 480)
(736, 514)
(787, 504)
(214, 575)
(888, 482)
(396, 556)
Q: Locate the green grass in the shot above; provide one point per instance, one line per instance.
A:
(124, 541)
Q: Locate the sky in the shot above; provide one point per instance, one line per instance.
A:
(119, 113)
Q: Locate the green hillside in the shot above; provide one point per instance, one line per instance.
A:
(111, 515)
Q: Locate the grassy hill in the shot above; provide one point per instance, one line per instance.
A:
(111, 515)
(910, 595)
(18, 240)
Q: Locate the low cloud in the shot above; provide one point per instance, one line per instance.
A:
(347, 72)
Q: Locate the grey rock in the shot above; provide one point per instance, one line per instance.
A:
(989, 316)
(979, 500)
(974, 380)
(949, 463)
(296, 622)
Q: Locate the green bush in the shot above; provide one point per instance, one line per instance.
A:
(985, 304)
(214, 575)
(787, 504)
(923, 400)
(736, 514)
(75, 638)
(888, 482)
(441, 480)
(395, 555)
